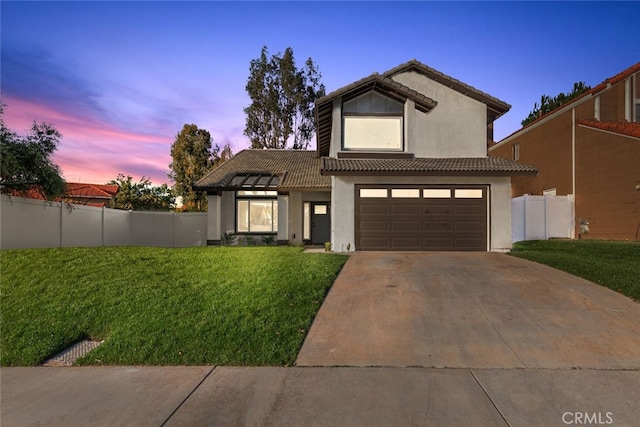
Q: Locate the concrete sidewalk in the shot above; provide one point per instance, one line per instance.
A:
(227, 396)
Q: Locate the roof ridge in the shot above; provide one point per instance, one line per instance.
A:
(605, 84)
(427, 70)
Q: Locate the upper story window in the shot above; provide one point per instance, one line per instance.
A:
(372, 121)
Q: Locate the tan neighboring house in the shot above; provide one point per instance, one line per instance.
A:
(588, 148)
(401, 164)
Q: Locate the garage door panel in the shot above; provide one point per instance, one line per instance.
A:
(405, 243)
(437, 210)
(477, 210)
(468, 244)
(442, 226)
(423, 223)
(437, 244)
(469, 226)
(374, 243)
(412, 209)
(375, 226)
(374, 209)
(412, 226)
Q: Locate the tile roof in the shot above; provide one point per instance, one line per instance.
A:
(297, 169)
(382, 82)
(386, 84)
(623, 128)
(97, 195)
(78, 189)
(592, 92)
(426, 166)
(494, 103)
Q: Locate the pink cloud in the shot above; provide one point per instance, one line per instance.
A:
(92, 150)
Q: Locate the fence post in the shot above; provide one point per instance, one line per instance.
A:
(103, 226)
(546, 217)
(61, 221)
(524, 216)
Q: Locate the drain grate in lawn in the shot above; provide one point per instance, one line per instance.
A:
(70, 355)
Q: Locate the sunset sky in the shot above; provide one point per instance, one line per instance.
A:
(119, 79)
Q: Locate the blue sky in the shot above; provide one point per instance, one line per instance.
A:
(119, 79)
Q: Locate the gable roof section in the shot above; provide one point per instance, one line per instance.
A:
(622, 128)
(382, 84)
(497, 106)
(426, 166)
(296, 169)
(94, 191)
(385, 84)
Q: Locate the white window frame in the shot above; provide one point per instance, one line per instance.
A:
(273, 215)
(379, 133)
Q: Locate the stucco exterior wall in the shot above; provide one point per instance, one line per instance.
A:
(228, 212)
(456, 127)
(213, 217)
(343, 215)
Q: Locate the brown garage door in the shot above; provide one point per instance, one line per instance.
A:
(421, 218)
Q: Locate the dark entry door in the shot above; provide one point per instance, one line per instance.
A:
(320, 223)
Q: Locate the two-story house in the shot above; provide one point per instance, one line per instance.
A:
(589, 149)
(401, 164)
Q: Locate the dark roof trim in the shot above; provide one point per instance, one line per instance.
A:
(498, 106)
(384, 85)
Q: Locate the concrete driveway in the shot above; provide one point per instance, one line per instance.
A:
(469, 310)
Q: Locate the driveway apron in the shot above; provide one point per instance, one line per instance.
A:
(469, 310)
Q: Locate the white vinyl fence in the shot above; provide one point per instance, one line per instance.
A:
(542, 217)
(30, 223)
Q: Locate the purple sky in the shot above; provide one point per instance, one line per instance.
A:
(120, 79)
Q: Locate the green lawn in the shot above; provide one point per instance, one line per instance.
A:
(157, 306)
(614, 264)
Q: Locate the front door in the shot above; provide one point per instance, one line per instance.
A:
(320, 223)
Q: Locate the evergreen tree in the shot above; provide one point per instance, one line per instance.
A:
(25, 161)
(282, 101)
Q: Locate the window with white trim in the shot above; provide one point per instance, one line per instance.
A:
(256, 215)
(373, 121)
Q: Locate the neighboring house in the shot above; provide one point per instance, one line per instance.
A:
(588, 148)
(96, 195)
(401, 164)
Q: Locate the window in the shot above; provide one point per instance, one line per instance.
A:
(306, 221)
(257, 215)
(516, 151)
(320, 210)
(369, 193)
(436, 193)
(373, 122)
(471, 193)
(409, 193)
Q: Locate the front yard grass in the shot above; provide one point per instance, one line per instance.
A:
(614, 264)
(159, 306)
